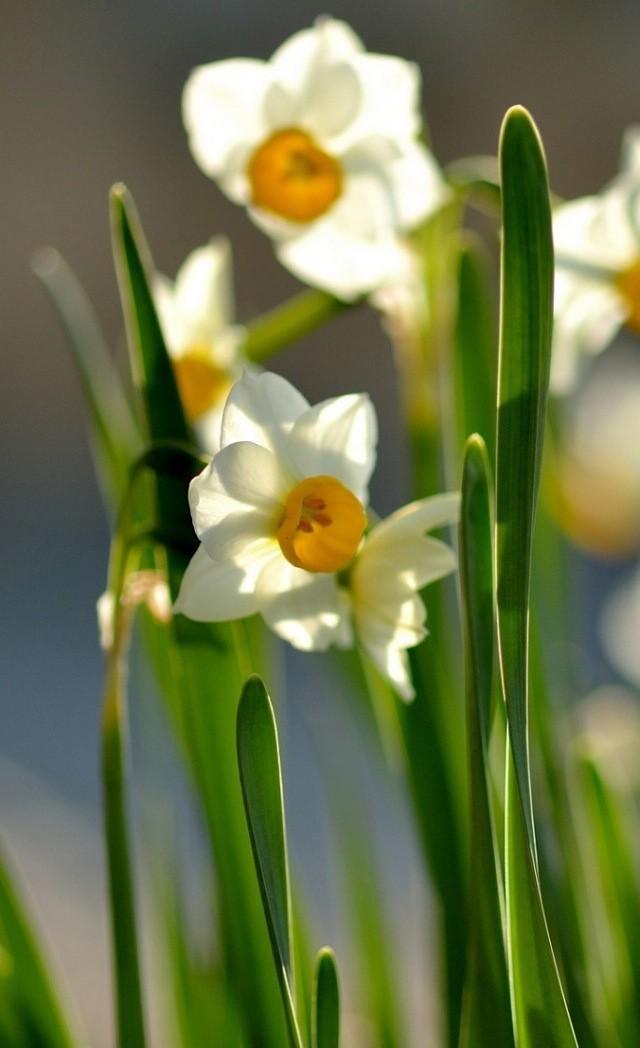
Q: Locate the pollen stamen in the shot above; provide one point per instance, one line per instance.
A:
(293, 177)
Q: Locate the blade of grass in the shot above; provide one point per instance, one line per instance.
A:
(326, 1002)
(260, 776)
(539, 1008)
(487, 1005)
(30, 1011)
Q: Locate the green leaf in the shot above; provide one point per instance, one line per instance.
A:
(614, 864)
(487, 1007)
(475, 347)
(539, 1008)
(326, 1002)
(126, 961)
(259, 765)
(150, 364)
(30, 1012)
(114, 432)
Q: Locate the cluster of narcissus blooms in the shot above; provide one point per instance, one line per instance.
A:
(320, 143)
(281, 513)
(597, 284)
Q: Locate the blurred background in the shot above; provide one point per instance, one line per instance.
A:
(90, 95)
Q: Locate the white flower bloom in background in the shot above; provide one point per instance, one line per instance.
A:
(597, 284)
(320, 143)
(196, 315)
(620, 629)
(281, 516)
(280, 510)
(396, 561)
(596, 495)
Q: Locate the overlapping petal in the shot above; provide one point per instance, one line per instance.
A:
(338, 438)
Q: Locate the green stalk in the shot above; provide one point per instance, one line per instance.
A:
(268, 334)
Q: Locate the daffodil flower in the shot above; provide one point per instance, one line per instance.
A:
(280, 510)
(597, 286)
(321, 145)
(281, 513)
(196, 314)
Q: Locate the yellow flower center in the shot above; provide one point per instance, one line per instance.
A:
(201, 383)
(291, 176)
(322, 525)
(628, 284)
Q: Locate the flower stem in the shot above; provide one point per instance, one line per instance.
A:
(272, 331)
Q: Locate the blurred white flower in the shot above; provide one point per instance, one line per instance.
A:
(396, 561)
(280, 510)
(142, 587)
(596, 496)
(597, 252)
(620, 629)
(196, 316)
(320, 143)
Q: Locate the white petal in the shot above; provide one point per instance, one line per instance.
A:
(620, 629)
(390, 98)
(354, 248)
(417, 186)
(393, 664)
(597, 230)
(222, 109)
(204, 290)
(587, 316)
(252, 475)
(332, 100)
(215, 592)
(412, 562)
(211, 504)
(297, 60)
(337, 438)
(300, 607)
(169, 315)
(261, 408)
(416, 518)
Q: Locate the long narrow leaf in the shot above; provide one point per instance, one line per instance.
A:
(326, 1002)
(114, 432)
(29, 1005)
(259, 764)
(539, 1008)
(487, 1012)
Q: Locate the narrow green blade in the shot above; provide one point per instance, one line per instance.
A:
(114, 433)
(487, 1005)
(523, 377)
(326, 1002)
(539, 1008)
(475, 348)
(150, 364)
(259, 765)
(126, 959)
(29, 1006)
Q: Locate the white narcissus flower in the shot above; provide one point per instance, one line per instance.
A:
(281, 515)
(396, 561)
(196, 316)
(597, 283)
(280, 510)
(320, 143)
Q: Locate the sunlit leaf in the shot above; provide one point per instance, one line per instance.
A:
(326, 1002)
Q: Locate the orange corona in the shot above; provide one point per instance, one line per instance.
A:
(322, 525)
(200, 383)
(628, 284)
(292, 177)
